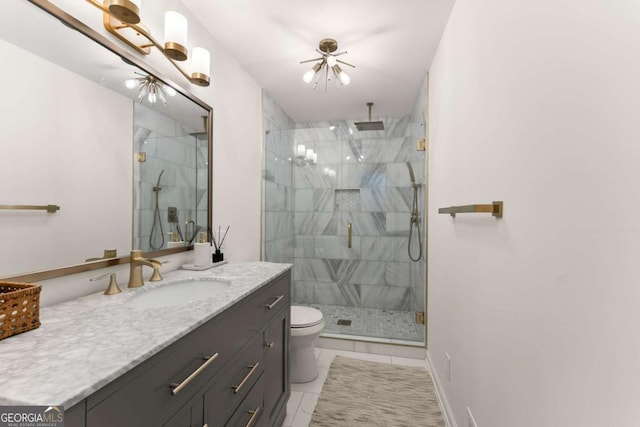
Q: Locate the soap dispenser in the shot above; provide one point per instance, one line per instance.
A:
(174, 240)
(202, 251)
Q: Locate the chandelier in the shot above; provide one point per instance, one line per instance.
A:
(150, 88)
(327, 66)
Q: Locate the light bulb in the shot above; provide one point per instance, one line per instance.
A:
(132, 83)
(301, 151)
(344, 78)
(331, 60)
(152, 97)
(309, 75)
(315, 158)
(309, 156)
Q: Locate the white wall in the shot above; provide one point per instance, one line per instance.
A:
(537, 104)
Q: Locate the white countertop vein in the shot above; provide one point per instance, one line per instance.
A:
(86, 343)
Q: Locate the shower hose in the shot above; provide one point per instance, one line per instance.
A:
(415, 223)
(156, 217)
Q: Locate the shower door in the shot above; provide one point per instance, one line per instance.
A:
(351, 221)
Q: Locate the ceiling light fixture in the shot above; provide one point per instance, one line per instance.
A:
(122, 19)
(150, 88)
(327, 65)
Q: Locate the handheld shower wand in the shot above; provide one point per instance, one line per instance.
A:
(156, 216)
(415, 217)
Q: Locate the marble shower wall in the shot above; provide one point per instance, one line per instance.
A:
(277, 181)
(361, 178)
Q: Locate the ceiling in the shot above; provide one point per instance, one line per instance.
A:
(391, 43)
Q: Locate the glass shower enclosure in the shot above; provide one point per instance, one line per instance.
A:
(343, 214)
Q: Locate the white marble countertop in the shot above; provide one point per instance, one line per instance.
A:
(86, 343)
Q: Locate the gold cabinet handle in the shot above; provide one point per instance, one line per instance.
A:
(349, 232)
(269, 345)
(273, 304)
(246, 378)
(178, 387)
(254, 415)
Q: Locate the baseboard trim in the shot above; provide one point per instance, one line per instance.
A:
(449, 419)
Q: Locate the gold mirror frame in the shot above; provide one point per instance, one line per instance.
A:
(126, 56)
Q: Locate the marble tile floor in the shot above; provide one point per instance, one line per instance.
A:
(371, 322)
(305, 396)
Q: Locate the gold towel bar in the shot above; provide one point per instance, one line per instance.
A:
(48, 208)
(494, 209)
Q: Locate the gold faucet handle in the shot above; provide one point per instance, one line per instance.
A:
(113, 284)
(156, 276)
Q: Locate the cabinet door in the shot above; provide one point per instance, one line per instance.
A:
(189, 416)
(276, 373)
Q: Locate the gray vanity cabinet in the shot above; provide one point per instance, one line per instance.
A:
(233, 370)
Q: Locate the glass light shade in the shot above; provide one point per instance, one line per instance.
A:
(175, 28)
(200, 61)
(331, 60)
(309, 155)
(152, 97)
(131, 83)
(301, 151)
(315, 157)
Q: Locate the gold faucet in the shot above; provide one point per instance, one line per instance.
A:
(113, 284)
(108, 253)
(135, 272)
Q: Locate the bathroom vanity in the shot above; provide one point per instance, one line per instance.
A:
(215, 361)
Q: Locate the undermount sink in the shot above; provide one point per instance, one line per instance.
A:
(179, 293)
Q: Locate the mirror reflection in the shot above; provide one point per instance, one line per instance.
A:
(74, 135)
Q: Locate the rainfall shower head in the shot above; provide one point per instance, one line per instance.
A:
(369, 125)
(200, 136)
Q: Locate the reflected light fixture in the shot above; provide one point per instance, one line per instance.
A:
(150, 88)
(328, 65)
(122, 19)
(305, 156)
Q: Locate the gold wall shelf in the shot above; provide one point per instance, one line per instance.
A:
(494, 209)
(48, 208)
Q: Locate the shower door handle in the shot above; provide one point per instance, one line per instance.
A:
(349, 227)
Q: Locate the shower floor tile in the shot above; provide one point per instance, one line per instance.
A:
(371, 322)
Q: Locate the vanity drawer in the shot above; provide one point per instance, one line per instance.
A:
(230, 334)
(250, 413)
(276, 296)
(230, 387)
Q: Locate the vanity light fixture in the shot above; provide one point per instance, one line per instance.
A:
(122, 19)
(327, 65)
(150, 88)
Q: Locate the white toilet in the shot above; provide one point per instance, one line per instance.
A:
(306, 325)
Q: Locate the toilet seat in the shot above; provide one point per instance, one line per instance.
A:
(305, 317)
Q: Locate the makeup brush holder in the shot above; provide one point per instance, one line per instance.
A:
(218, 256)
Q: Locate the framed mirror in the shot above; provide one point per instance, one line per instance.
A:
(80, 135)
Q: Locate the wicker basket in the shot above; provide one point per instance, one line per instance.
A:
(19, 308)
